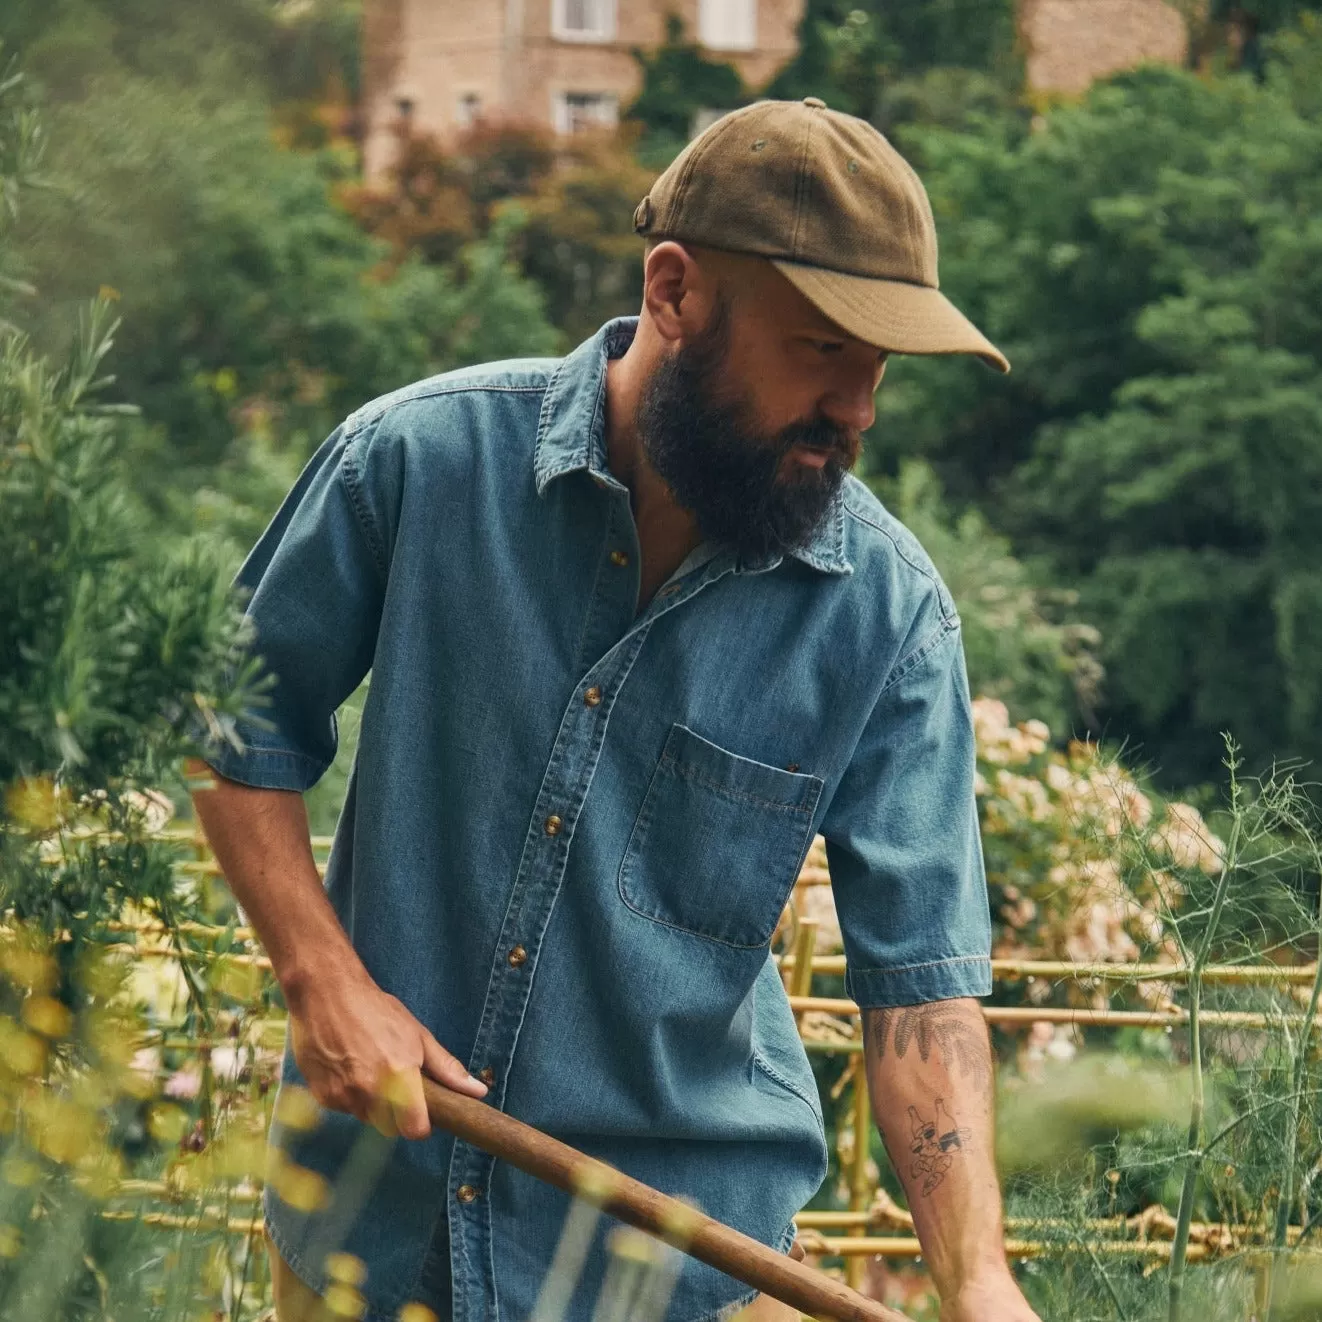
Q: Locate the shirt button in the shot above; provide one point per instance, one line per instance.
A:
(488, 1076)
(592, 697)
(552, 825)
(517, 957)
(465, 1193)
(619, 559)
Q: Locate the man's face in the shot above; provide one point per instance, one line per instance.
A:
(754, 422)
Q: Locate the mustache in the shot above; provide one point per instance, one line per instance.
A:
(843, 445)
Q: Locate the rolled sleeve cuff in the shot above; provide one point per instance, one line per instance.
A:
(916, 984)
(266, 768)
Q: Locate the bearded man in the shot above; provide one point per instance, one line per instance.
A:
(635, 636)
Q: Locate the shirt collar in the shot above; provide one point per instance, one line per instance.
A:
(571, 437)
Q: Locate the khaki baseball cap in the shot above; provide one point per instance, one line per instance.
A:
(837, 210)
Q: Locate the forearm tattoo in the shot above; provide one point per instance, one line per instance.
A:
(961, 1038)
(932, 1143)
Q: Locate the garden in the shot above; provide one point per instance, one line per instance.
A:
(197, 284)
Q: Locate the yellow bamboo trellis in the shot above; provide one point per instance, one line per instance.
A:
(855, 1238)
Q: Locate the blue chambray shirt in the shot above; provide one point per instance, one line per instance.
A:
(571, 827)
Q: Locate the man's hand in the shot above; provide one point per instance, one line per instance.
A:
(362, 1052)
(995, 1298)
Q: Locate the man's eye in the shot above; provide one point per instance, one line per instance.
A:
(827, 346)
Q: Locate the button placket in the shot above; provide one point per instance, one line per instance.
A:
(542, 864)
(565, 786)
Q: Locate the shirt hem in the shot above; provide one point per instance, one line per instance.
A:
(267, 768)
(916, 984)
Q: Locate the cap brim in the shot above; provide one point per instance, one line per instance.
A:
(892, 314)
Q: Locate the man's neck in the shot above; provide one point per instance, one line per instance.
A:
(666, 533)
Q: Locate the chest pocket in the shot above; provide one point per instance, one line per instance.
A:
(718, 843)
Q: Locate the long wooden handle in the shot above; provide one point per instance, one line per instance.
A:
(710, 1241)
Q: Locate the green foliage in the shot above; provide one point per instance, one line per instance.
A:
(249, 301)
(679, 80)
(1022, 641)
(116, 660)
(283, 49)
(567, 210)
(852, 53)
(1149, 260)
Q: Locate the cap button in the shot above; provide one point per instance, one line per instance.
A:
(815, 102)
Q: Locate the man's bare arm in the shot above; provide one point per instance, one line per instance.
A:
(350, 1038)
(930, 1075)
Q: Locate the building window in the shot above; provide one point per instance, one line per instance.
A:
(468, 110)
(581, 112)
(583, 20)
(703, 119)
(727, 24)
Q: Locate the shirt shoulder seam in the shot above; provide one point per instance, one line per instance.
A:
(903, 554)
(948, 627)
(368, 415)
(350, 473)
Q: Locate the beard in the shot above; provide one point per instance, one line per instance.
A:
(721, 467)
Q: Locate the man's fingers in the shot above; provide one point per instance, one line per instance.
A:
(440, 1065)
(402, 1091)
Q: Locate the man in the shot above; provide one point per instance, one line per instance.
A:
(635, 637)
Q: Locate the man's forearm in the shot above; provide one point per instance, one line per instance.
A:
(930, 1075)
(261, 841)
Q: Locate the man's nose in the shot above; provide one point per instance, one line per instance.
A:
(852, 406)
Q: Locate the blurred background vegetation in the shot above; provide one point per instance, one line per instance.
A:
(1131, 519)
(1131, 524)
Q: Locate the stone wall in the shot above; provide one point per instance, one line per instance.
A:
(1071, 43)
(430, 54)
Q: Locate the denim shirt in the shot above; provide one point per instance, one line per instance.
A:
(572, 825)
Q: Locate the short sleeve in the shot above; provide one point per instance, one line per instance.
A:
(316, 582)
(903, 846)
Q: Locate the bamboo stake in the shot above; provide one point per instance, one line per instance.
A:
(1009, 970)
(886, 1246)
(1053, 1014)
(659, 1215)
(860, 1187)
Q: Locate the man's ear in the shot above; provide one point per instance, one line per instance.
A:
(672, 290)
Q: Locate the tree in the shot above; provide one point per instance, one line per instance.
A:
(1149, 260)
(255, 313)
(853, 53)
(679, 81)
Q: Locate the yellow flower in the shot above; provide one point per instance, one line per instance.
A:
(414, 1312)
(166, 1122)
(296, 1108)
(21, 1172)
(344, 1301)
(51, 1018)
(346, 1269)
(23, 1053)
(61, 1130)
(27, 966)
(302, 1189)
(35, 802)
(100, 1173)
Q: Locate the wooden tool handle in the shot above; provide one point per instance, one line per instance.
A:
(710, 1241)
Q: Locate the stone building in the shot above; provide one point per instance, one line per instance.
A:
(1069, 44)
(564, 64)
(567, 64)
